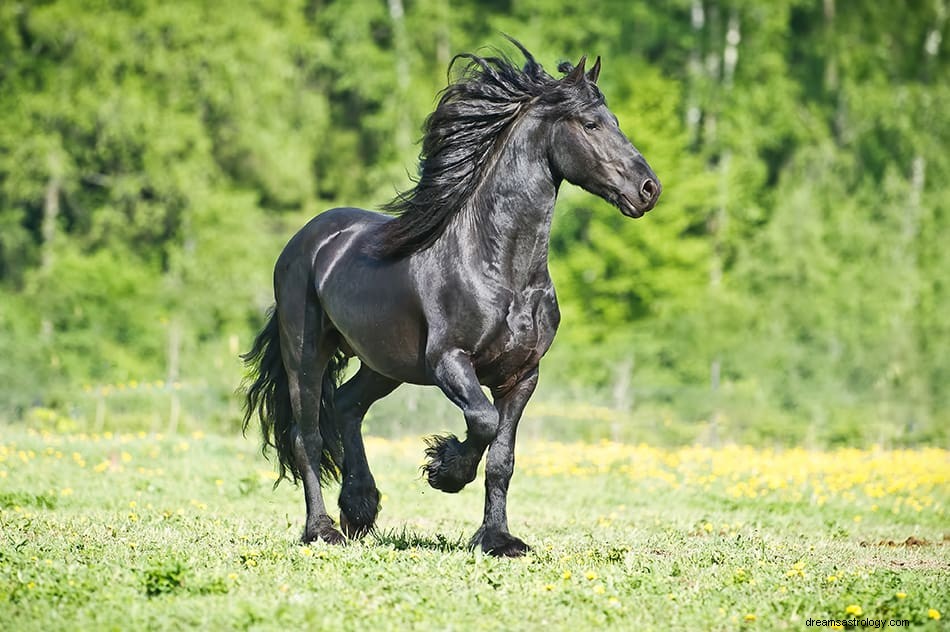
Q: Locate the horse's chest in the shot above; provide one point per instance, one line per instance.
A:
(525, 333)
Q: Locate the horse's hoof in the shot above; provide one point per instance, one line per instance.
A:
(359, 506)
(500, 544)
(354, 530)
(332, 536)
(511, 548)
(447, 469)
(323, 530)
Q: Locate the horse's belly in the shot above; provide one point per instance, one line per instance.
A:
(383, 336)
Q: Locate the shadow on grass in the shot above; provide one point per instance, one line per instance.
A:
(403, 539)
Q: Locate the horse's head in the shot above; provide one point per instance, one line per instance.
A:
(588, 149)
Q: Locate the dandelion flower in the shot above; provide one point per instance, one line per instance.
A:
(901, 595)
(934, 614)
(854, 609)
(749, 618)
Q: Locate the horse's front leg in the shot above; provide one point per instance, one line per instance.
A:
(493, 535)
(453, 464)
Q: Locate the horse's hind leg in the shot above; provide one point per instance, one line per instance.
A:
(306, 349)
(359, 498)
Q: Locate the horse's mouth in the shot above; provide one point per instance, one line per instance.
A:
(629, 208)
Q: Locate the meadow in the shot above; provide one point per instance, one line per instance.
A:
(111, 531)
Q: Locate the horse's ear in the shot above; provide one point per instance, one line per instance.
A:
(594, 72)
(577, 75)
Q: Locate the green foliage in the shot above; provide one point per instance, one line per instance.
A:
(155, 157)
(164, 577)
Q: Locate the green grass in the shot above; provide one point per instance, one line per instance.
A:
(149, 532)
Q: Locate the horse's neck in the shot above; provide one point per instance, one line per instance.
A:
(507, 224)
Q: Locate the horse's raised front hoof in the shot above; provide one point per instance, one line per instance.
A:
(499, 544)
(448, 469)
(359, 506)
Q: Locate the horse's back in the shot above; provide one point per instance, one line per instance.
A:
(323, 238)
(331, 223)
(370, 300)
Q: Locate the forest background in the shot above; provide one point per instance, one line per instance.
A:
(791, 286)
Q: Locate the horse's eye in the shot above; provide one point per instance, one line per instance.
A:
(590, 125)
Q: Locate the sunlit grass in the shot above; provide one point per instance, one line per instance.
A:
(133, 530)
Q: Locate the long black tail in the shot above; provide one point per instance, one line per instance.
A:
(268, 397)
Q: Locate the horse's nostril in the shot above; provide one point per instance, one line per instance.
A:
(649, 189)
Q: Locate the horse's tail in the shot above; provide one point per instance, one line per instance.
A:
(268, 398)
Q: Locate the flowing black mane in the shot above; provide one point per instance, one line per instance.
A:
(460, 140)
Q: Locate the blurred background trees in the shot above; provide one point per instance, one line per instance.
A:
(792, 284)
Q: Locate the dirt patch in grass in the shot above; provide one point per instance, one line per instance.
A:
(911, 541)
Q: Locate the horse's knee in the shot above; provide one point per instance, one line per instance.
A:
(482, 422)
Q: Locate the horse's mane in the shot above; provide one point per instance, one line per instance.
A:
(460, 140)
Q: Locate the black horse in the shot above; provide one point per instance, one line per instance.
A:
(453, 291)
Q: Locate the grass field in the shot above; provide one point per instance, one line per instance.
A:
(142, 531)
